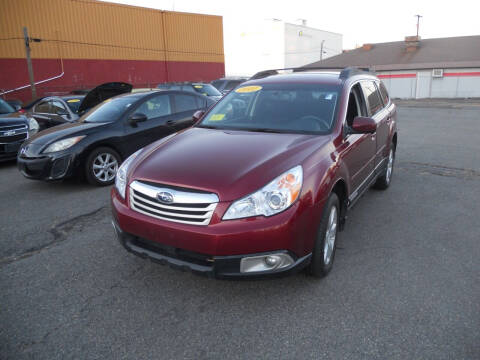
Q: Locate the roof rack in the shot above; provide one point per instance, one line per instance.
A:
(344, 72)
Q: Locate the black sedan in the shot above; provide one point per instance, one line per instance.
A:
(106, 135)
(56, 110)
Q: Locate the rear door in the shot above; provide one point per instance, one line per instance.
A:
(158, 110)
(380, 114)
(185, 106)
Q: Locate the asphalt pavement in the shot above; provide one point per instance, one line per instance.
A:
(405, 283)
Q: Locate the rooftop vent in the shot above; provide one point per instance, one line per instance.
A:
(367, 47)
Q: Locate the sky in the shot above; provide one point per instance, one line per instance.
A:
(358, 21)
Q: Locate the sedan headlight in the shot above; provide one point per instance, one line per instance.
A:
(121, 178)
(33, 125)
(63, 144)
(273, 198)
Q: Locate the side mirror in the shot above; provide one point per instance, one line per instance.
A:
(198, 115)
(136, 118)
(364, 125)
(17, 107)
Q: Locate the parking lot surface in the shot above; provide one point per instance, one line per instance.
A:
(405, 283)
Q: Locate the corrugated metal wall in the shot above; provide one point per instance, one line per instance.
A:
(124, 42)
(87, 29)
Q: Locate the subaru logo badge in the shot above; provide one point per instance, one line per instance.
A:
(9, 133)
(165, 197)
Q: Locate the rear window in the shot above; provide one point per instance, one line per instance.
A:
(206, 89)
(185, 103)
(384, 93)
(288, 108)
(74, 104)
(373, 97)
(232, 84)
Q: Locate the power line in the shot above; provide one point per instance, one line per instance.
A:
(118, 46)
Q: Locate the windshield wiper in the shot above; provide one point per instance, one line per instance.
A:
(207, 127)
(262, 130)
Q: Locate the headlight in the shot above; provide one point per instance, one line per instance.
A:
(121, 178)
(33, 125)
(273, 198)
(63, 144)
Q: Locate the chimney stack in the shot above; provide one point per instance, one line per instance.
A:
(412, 43)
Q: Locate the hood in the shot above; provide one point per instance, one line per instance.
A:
(103, 92)
(13, 119)
(231, 164)
(60, 132)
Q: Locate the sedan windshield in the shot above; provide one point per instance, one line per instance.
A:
(5, 108)
(109, 110)
(286, 108)
(206, 89)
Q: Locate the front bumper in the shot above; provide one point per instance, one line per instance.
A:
(220, 267)
(9, 151)
(46, 167)
(221, 244)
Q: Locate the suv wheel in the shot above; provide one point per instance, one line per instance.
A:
(101, 166)
(383, 182)
(326, 242)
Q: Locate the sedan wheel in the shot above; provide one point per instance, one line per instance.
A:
(105, 167)
(101, 166)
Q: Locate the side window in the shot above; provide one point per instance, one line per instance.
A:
(56, 107)
(384, 93)
(156, 107)
(43, 107)
(185, 103)
(356, 105)
(372, 96)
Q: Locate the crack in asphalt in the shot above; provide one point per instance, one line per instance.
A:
(440, 170)
(59, 232)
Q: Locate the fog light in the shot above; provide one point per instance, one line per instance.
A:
(265, 262)
(272, 260)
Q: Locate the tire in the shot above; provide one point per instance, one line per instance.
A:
(326, 242)
(101, 166)
(383, 182)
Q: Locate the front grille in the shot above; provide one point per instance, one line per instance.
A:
(13, 133)
(187, 207)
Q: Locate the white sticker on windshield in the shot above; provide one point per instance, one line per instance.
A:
(329, 97)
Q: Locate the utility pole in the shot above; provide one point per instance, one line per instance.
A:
(418, 22)
(29, 63)
(321, 50)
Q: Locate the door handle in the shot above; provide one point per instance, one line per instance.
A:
(171, 122)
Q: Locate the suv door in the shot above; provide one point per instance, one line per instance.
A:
(357, 150)
(185, 106)
(380, 114)
(158, 110)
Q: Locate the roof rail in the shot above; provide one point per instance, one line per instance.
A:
(344, 72)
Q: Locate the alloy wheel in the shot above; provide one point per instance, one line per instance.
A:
(105, 167)
(330, 235)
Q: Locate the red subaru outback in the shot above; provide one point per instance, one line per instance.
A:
(261, 184)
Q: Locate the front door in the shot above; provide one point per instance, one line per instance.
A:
(357, 150)
(158, 110)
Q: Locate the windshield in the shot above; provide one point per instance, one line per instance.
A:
(5, 108)
(74, 104)
(206, 89)
(288, 108)
(109, 110)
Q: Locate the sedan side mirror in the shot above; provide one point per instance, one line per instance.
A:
(136, 118)
(198, 115)
(16, 107)
(364, 125)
